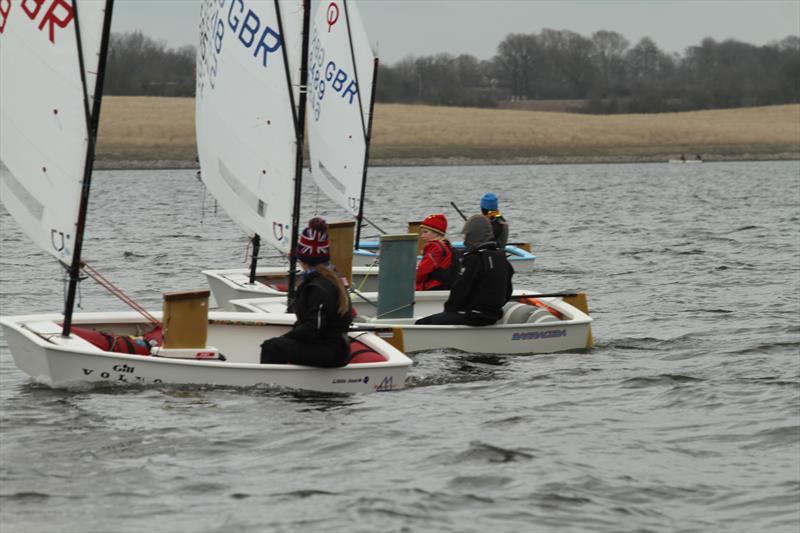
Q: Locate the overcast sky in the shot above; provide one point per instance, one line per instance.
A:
(425, 27)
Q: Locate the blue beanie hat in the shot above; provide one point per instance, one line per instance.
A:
(489, 201)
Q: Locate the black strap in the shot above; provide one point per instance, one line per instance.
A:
(109, 341)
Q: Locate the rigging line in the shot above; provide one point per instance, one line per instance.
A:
(116, 291)
(370, 268)
(288, 72)
(364, 131)
(371, 223)
(203, 208)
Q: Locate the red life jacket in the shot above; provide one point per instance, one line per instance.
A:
(443, 276)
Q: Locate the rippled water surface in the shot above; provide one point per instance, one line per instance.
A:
(685, 416)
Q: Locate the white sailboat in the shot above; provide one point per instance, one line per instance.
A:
(256, 186)
(50, 94)
(342, 81)
(532, 323)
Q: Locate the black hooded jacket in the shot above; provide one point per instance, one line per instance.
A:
(316, 306)
(484, 285)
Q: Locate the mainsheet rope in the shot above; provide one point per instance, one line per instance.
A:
(116, 291)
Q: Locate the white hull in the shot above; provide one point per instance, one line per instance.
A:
(688, 161)
(544, 335)
(521, 259)
(234, 284)
(40, 351)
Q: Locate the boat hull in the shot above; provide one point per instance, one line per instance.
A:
(234, 284)
(42, 353)
(546, 335)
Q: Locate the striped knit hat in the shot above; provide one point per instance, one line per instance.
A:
(313, 246)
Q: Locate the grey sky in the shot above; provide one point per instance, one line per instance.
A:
(476, 27)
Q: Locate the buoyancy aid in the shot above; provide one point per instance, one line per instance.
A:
(111, 342)
(438, 273)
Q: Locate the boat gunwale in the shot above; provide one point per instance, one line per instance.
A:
(395, 358)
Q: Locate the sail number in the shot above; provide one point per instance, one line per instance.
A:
(250, 29)
(339, 80)
(53, 13)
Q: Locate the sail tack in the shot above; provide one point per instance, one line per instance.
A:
(43, 125)
(246, 110)
(341, 64)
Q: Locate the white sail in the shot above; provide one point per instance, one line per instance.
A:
(246, 108)
(340, 85)
(43, 128)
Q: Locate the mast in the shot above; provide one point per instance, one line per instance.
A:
(367, 139)
(92, 120)
(367, 131)
(299, 130)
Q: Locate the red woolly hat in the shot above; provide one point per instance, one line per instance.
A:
(313, 246)
(436, 223)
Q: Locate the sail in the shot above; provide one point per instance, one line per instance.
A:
(246, 111)
(43, 126)
(340, 85)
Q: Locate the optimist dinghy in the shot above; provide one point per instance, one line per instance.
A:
(52, 86)
(532, 323)
(230, 358)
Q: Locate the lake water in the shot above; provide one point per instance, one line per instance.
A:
(685, 416)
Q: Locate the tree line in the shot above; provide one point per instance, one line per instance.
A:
(140, 66)
(604, 72)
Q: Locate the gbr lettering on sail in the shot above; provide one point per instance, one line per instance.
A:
(50, 16)
(222, 20)
(326, 72)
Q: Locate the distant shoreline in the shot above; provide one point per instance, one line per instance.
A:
(101, 164)
(159, 133)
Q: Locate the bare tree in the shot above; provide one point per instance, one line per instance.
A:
(516, 57)
(609, 58)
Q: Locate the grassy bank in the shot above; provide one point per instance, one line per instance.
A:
(159, 132)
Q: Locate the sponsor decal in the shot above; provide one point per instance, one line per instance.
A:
(342, 381)
(124, 373)
(332, 15)
(386, 384)
(531, 335)
(279, 231)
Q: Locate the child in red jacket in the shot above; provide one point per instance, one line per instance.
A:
(435, 267)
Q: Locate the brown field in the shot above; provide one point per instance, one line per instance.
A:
(159, 132)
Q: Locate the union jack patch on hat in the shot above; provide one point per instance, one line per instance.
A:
(313, 246)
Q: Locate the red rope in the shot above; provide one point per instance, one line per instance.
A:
(116, 291)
